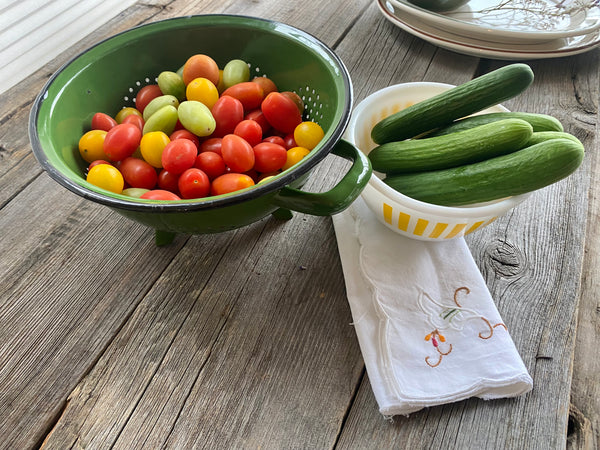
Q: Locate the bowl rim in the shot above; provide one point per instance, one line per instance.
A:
(479, 210)
(277, 183)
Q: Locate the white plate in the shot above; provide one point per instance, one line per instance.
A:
(473, 47)
(511, 21)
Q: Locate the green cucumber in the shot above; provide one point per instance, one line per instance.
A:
(460, 101)
(539, 122)
(463, 147)
(542, 136)
(523, 171)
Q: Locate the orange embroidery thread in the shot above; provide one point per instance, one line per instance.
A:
(447, 315)
(434, 336)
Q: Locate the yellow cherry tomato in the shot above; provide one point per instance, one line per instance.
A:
(152, 146)
(90, 146)
(294, 155)
(221, 84)
(126, 112)
(308, 134)
(106, 177)
(202, 90)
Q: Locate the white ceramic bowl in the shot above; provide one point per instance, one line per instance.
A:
(402, 214)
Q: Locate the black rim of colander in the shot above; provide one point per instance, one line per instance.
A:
(210, 202)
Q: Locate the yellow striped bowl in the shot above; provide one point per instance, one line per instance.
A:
(402, 214)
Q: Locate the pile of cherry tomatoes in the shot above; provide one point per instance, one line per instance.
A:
(198, 132)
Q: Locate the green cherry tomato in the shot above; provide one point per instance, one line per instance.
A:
(196, 117)
(235, 71)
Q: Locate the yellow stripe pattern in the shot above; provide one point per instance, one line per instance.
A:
(421, 226)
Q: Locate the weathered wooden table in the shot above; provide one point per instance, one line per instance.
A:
(244, 339)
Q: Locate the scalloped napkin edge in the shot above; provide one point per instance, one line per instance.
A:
(428, 329)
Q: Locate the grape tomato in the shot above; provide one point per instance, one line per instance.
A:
(102, 121)
(202, 130)
(281, 112)
(193, 183)
(145, 95)
(248, 93)
(227, 112)
(121, 141)
(235, 71)
(179, 155)
(250, 130)
(269, 157)
(211, 163)
(237, 153)
(230, 182)
(138, 173)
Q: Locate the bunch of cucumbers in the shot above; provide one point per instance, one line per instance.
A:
(436, 151)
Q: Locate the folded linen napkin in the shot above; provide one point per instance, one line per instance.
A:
(428, 329)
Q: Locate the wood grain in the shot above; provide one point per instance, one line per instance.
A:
(244, 339)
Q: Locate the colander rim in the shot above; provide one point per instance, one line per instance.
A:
(153, 206)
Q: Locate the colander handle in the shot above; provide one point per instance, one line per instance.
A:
(340, 196)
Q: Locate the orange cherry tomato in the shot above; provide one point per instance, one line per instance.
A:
(230, 182)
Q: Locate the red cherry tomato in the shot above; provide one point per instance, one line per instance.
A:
(185, 134)
(159, 194)
(211, 164)
(227, 112)
(267, 85)
(168, 181)
(289, 141)
(250, 131)
(230, 182)
(275, 140)
(122, 141)
(138, 121)
(281, 112)
(101, 121)
(211, 145)
(237, 153)
(138, 173)
(145, 95)
(258, 116)
(250, 94)
(179, 155)
(296, 99)
(194, 183)
(269, 157)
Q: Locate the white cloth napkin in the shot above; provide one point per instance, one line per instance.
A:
(428, 329)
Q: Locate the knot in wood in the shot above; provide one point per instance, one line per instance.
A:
(505, 259)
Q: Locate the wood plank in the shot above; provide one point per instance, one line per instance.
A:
(531, 260)
(68, 286)
(584, 422)
(79, 321)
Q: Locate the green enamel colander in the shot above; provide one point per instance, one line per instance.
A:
(107, 77)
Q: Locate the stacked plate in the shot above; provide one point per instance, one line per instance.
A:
(504, 29)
